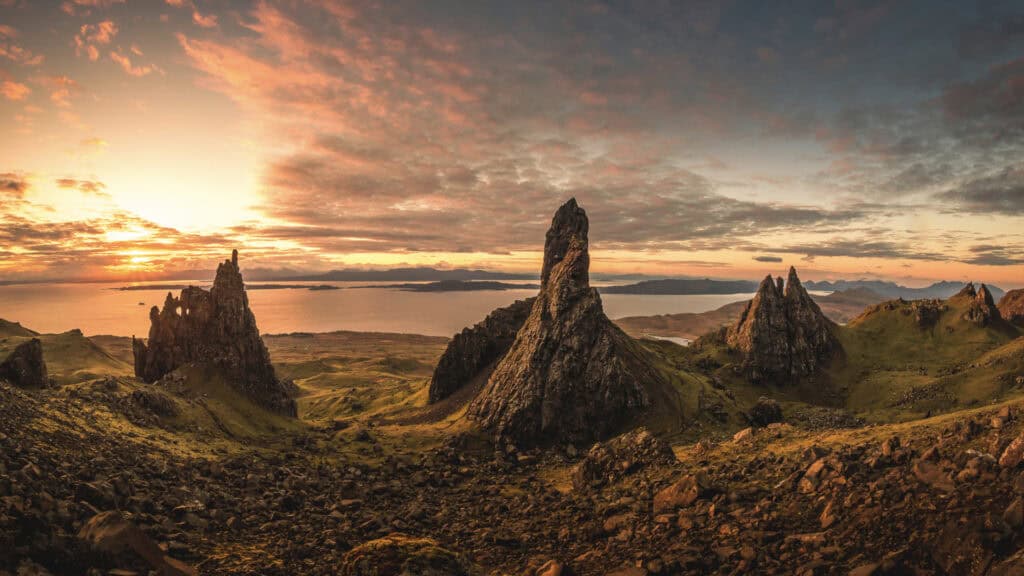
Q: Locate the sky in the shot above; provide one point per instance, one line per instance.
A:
(730, 139)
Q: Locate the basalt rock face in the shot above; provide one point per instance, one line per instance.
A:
(24, 367)
(570, 376)
(782, 333)
(1011, 306)
(213, 327)
(982, 310)
(476, 349)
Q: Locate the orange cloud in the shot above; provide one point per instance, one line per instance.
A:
(126, 64)
(14, 90)
(13, 52)
(207, 21)
(92, 35)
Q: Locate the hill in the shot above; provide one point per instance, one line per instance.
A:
(943, 289)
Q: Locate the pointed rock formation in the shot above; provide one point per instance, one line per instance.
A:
(782, 332)
(213, 327)
(475, 350)
(982, 308)
(1011, 306)
(571, 375)
(24, 367)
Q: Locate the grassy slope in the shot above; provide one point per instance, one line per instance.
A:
(71, 357)
(894, 369)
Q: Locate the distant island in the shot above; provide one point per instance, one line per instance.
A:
(143, 287)
(456, 286)
(419, 274)
(942, 290)
(678, 286)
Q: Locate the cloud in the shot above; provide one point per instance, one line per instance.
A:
(998, 193)
(13, 184)
(768, 259)
(84, 7)
(138, 71)
(12, 51)
(204, 21)
(90, 36)
(93, 187)
(989, 255)
(14, 90)
(61, 88)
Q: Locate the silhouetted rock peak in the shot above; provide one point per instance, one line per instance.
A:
(1011, 306)
(472, 353)
(570, 376)
(24, 366)
(213, 327)
(567, 238)
(982, 308)
(782, 332)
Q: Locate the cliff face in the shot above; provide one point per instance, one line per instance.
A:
(215, 327)
(570, 376)
(1011, 306)
(24, 366)
(982, 310)
(782, 332)
(476, 349)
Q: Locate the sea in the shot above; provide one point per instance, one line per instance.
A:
(101, 308)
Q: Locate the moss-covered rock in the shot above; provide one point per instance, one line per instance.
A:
(401, 555)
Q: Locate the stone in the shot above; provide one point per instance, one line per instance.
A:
(473, 352)
(1014, 453)
(743, 435)
(571, 376)
(398, 555)
(683, 492)
(782, 333)
(121, 541)
(765, 412)
(551, 568)
(217, 328)
(24, 366)
(609, 461)
(1014, 513)
(1011, 306)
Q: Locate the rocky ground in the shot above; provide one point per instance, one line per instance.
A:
(941, 496)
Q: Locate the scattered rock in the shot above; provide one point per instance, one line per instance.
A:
(401, 555)
(609, 461)
(683, 492)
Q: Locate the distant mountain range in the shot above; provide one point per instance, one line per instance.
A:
(408, 275)
(456, 286)
(683, 287)
(943, 289)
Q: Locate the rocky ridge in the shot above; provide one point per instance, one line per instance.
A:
(1011, 306)
(571, 375)
(476, 349)
(24, 366)
(782, 333)
(214, 327)
(983, 310)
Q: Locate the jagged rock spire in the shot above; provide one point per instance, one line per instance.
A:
(782, 332)
(24, 366)
(570, 375)
(982, 308)
(1011, 306)
(213, 327)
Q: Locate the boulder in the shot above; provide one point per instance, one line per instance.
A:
(607, 462)
(765, 412)
(217, 328)
(123, 544)
(571, 376)
(683, 492)
(1011, 306)
(782, 333)
(24, 366)
(475, 350)
(401, 555)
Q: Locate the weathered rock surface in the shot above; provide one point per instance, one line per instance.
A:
(571, 376)
(1011, 306)
(476, 349)
(111, 535)
(607, 462)
(982, 310)
(401, 555)
(765, 412)
(782, 333)
(25, 367)
(213, 327)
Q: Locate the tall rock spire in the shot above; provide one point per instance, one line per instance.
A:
(570, 375)
(213, 327)
(782, 332)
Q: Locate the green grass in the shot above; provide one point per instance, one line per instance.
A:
(71, 357)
